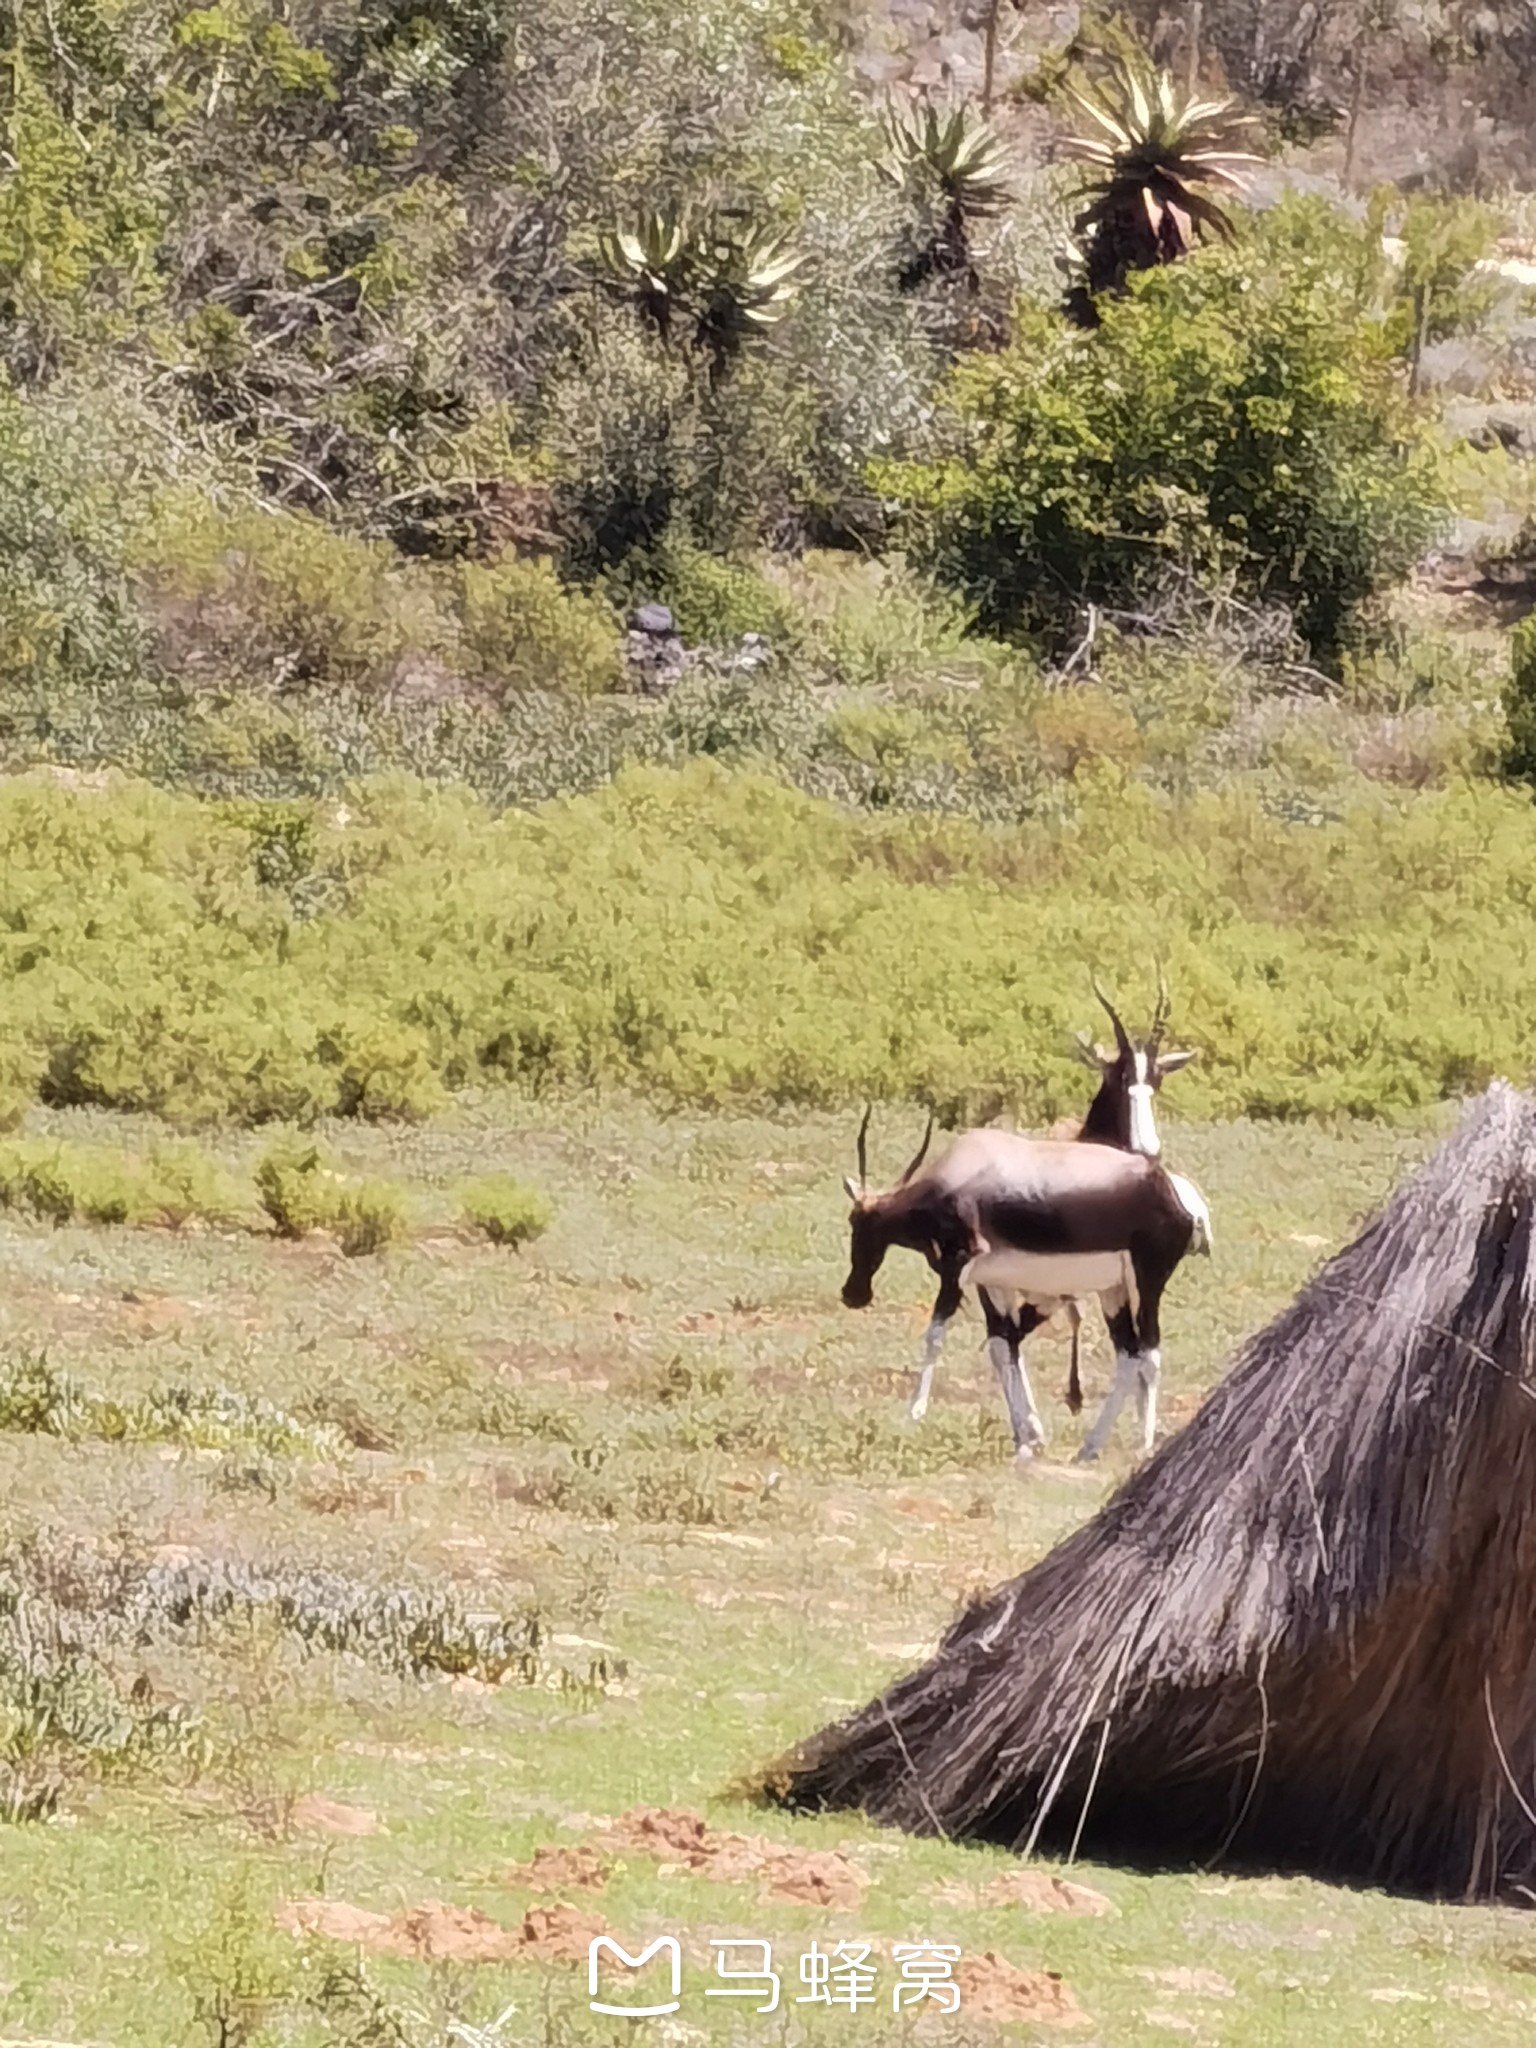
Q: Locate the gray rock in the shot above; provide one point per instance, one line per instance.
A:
(654, 619)
(1504, 425)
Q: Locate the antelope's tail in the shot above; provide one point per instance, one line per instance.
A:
(1194, 1205)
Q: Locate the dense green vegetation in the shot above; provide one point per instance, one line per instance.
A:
(1238, 420)
(710, 935)
(362, 370)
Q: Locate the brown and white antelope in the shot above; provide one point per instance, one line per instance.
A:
(1037, 1223)
(1121, 1114)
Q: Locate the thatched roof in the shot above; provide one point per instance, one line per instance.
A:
(1304, 1634)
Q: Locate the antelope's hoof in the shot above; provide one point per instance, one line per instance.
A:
(1086, 1456)
(1024, 1457)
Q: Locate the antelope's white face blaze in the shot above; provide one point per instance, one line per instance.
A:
(1144, 1136)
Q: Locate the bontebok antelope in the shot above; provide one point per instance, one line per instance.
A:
(1042, 1222)
(1121, 1114)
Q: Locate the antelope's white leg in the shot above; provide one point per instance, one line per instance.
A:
(1127, 1381)
(933, 1344)
(1150, 1366)
(1036, 1425)
(1028, 1430)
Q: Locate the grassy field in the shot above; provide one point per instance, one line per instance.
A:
(654, 1444)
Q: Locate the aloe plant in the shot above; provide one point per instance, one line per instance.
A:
(650, 261)
(731, 280)
(1154, 148)
(957, 160)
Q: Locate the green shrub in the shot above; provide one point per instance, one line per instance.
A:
(505, 1210)
(38, 1400)
(1236, 417)
(70, 469)
(878, 625)
(708, 935)
(369, 1215)
(65, 1720)
(301, 1194)
(714, 599)
(281, 601)
(1520, 703)
(169, 1185)
(523, 630)
(1438, 290)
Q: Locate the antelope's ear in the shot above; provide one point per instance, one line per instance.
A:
(852, 1187)
(1173, 1062)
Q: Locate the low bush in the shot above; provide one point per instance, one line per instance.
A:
(521, 629)
(38, 1400)
(281, 603)
(65, 1718)
(714, 599)
(505, 1210)
(413, 1628)
(301, 1194)
(877, 625)
(1520, 703)
(169, 1185)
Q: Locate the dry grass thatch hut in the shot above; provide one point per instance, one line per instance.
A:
(1303, 1635)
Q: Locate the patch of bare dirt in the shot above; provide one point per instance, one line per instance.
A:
(434, 1932)
(820, 1877)
(555, 1868)
(541, 1364)
(319, 1815)
(992, 1988)
(925, 1508)
(343, 1493)
(1043, 1892)
(559, 1934)
(1196, 1983)
(685, 1841)
(1038, 1891)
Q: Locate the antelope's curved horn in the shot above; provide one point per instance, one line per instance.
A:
(920, 1155)
(1121, 1040)
(863, 1135)
(1160, 1021)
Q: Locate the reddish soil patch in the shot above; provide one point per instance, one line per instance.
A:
(992, 1988)
(821, 1877)
(558, 1869)
(325, 1816)
(925, 1508)
(685, 1841)
(559, 1934)
(433, 1932)
(1042, 1893)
